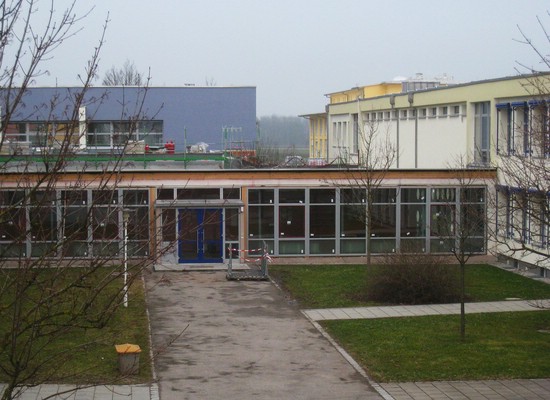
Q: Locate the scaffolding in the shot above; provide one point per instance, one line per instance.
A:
(257, 272)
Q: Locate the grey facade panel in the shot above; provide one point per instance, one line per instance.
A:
(201, 111)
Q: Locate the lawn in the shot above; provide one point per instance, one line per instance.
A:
(89, 354)
(497, 345)
(326, 286)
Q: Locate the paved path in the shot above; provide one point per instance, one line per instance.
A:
(71, 392)
(432, 309)
(519, 389)
(244, 341)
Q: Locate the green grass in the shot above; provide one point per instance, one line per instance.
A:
(321, 286)
(497, 346)
(91, 353)
(327, 286)
(128, 325)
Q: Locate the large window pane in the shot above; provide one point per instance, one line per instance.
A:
(353, 196)
(442, 220)
(322, 221)
(12, 223)
(75, 221)
(136, 197)
(473, 195)
(168, 217)
(165, 194)
(199, 194)
(443, 195)
(382, 246)
(321, 246)
(413, 220)
(291, 221)
(231, 224)
(105, 223)
(261, 196)
(352, 221)
(353, 246)
(138, 224)
(383, 222)
(43, 224)
(291, 196)
(105, 196)
(384, 195)
(317, 196)
(231, 193)
(261, 222)
(291, 247)
(99, 127)
(473, 219)
(416, 195)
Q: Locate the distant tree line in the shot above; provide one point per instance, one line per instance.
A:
(284, 131)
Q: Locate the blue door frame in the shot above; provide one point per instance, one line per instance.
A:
(200, 235)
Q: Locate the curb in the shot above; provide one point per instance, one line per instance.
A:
(379, 389)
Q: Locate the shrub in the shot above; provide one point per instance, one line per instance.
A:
(414, 279)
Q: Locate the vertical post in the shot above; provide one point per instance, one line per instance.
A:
(125, 218)
(230, 264)
(264, 259)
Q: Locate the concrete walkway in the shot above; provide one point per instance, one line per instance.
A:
(431, 309)
(241, 340)
(102, 392)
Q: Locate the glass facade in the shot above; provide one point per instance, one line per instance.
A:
(73, 223)
(334, 221)
(290, 221)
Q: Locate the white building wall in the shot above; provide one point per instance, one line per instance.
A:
(339, 135)
(441, 141)
(407, 143)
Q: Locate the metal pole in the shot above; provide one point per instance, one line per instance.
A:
(125, 217)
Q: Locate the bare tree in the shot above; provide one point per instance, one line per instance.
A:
(127, 75)
(376, 154)
(210, 82)
(523, 148)
(459, 220)
(57, 212)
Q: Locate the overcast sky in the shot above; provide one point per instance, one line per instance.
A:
(296, 51)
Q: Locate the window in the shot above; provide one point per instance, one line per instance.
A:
(423, 113)
(504, 128)
(472, 219)
(43, 216)
(261, 214)
(433, 112)
(481, 132)
(442, 220)
(456, 111)
(116, 133)
(291, 222)
(444, 111)
(413, 219)
(198, 194)
(12, 216)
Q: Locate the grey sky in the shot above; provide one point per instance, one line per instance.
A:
(295, 51)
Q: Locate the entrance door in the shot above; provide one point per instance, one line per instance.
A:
(200, 236)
